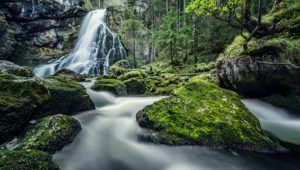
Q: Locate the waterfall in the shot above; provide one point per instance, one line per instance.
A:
(96, 48)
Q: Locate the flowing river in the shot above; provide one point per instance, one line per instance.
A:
(109, 141)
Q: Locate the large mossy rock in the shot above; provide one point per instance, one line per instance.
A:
(19, 99)
(50, 134)
(272, 63)
(7, 67)
(26, 160)
(66, 97)
(112, 85)
(204, 114)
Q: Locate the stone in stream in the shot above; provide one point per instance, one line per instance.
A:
(70, 75)
(50, 134)
(26, 160)
(201, 113)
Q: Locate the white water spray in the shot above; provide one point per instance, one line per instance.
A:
(96, 48)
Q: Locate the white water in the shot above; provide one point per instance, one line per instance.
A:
(97, 46)
(109, 141)
(279, 122)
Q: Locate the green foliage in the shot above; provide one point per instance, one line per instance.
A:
(213, 6)
(202, 113)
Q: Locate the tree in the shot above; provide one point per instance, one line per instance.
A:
(131, 30)
(237, 13)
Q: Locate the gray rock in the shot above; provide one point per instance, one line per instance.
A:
(11, 68)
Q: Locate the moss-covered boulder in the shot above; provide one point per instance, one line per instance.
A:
(112, 85)
(7, 40)
(133, 74)
(271, 63)
(70, 75)
(202, 113)
(50, 134)
(19, 99)
(136, 86)
(66, 97)
(26, 160)
(7, 67)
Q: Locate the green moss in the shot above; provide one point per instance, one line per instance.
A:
(19, 98)
(26, 160)
(50, 134)
(66, 96)
(204, 67)
(202, 113)
(133, 74)
(112, 85)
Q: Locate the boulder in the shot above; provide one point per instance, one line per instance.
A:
(112, 85)
(70, 75)
(50, 134)
(66, 97)
(201, 113)
(7, 67)
(26, 160)
(19, 99)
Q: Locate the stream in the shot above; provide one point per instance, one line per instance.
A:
(109, 141)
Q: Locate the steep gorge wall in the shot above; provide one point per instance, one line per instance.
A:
(42, 28)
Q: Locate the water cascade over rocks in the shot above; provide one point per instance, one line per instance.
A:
(97, 47)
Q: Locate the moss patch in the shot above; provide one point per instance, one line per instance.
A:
(66, 97)
(112, 85)
(19, 99)
(7, 40)
(26, 160)
(202, 113)
(50, 134)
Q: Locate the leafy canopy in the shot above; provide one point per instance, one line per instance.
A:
(210, 7)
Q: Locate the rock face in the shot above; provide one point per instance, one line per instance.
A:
(271, 64)
(204, 114)
(45, 23)
(7, 39)
(50, 134)
(7, 67)
(19, 99)
(12, 160)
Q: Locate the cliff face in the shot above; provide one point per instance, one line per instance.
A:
(272, 63)
(43, 28)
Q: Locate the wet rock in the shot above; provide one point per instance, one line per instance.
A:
(50, 134)
(112, 85)
(70, 75)
(66, 97)
(11, 68)
(30, 159)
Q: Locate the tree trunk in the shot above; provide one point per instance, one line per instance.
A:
(247, 13)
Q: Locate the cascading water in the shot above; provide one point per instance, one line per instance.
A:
(96, 48)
